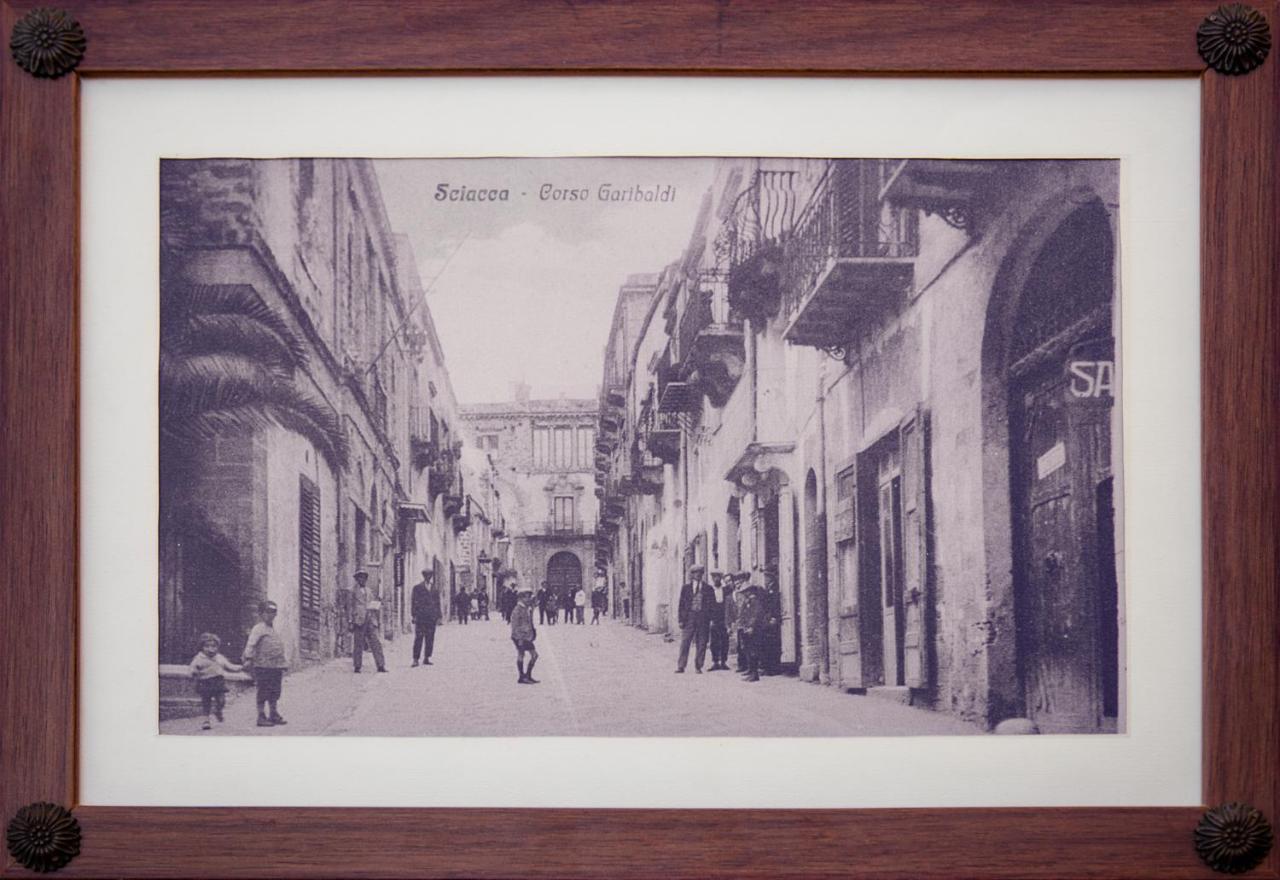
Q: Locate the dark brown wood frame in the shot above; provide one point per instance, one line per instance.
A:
(39, 393)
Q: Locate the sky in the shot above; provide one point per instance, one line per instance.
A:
(526, 286)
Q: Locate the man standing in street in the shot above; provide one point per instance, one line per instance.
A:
(523, 635)
(425, 606)
(462, 605)
(771, 662)
(750, 607)
(580, 605)
(365, 623)
(717, 622)
(695, 600)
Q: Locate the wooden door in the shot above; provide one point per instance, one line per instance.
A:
(848, 649)
(889, 512)
(917, 586)
(1065, 568)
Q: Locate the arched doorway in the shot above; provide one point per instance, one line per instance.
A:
(1060, 379)
(814, 663)
(564, 574)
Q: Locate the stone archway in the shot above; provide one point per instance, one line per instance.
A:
(1048, 378)
(564, 573)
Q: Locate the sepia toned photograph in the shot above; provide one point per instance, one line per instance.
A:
(670, 447)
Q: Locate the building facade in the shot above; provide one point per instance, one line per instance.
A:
(892, 382)
(308, 425)
(543, 454)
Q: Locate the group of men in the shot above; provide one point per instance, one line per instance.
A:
(709, 611)
(365, 621)
(549, 603)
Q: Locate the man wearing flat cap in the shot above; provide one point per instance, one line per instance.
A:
(692, 612)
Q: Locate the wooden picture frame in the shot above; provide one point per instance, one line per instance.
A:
(1240, 359)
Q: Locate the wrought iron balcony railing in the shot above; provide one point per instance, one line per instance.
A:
(849, 253)
(555, 529)
(750, 242)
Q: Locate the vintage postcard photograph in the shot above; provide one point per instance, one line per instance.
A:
(670, 447)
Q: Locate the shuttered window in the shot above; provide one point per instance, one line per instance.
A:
(309, 567)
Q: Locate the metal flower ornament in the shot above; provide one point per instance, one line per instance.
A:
(1235, 39)
(1233, 838)
(47, 43)
(43, 837)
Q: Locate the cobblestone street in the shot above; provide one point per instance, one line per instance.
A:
(606, 680)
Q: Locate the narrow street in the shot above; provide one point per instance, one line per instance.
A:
(605, 680)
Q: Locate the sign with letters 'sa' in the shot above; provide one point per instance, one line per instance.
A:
(1092, 380)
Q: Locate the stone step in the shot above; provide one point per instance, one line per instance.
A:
(895, 694)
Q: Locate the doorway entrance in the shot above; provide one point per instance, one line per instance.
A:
(564, 574)
(1061, 382)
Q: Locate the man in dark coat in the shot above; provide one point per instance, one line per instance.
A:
(424, 603)
(771, 661)
(692, 614)
(717, 621)
(751, 619)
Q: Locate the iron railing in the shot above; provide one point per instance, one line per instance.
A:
(552, 529)
(762, 214)
(707, 306)
(844, 219)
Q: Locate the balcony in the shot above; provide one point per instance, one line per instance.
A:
(751, 240)
(950, 189)
(660, 436)
(556, 529)
(442, 477)
(710, 343)
(423, 441)
(646, 474)
(849, 259)
(454, 505)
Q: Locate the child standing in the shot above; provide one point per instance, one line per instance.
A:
(208, 668)
(265, 652)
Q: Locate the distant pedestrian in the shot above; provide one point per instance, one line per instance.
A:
(580, 605)
(482, 605)
(462, 606)
(598, 600)
(425, 606)
(209, 669)
(366, 615)
(567, 603)
(523, 636)
(717, 622)
(692, 616)
(264, 653)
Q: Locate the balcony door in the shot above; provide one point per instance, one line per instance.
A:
(562, 513)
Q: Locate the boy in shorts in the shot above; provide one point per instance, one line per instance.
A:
(265, 653)
(523, 635)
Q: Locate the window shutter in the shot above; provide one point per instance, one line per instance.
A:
(309, 598)
(916, 544)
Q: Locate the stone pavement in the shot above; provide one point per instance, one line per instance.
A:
(605, 680)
